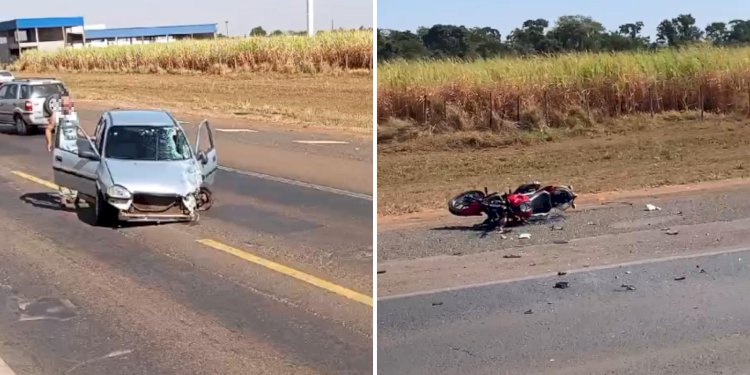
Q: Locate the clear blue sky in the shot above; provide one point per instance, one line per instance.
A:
(242, 15)
(506, 15)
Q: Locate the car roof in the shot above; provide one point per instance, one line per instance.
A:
(33, 81)
(140, 118)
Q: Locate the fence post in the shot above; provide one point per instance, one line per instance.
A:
(518, 108)
(546, 116)
(700, 99)
(651, 99)
(492, 108)
(588, 107)
(424, 108)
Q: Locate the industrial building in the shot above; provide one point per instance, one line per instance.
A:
(144, 35)
(23, 34)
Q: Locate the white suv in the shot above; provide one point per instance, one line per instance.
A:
(28, 103)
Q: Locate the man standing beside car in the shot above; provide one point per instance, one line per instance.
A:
(60, 107)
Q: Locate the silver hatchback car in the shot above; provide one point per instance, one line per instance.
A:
(138, 166)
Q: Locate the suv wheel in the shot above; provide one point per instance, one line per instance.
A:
(21, 127)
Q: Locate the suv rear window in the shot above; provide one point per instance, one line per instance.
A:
(45, 90)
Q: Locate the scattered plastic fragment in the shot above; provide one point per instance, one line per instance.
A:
(560, 242)
(511, 256)
(561, 285)
(524, 236)
(562, 273)
(528, 312)
(679, 278)
(437, 304)
(628, 287)
(381, 272)
(651, 207)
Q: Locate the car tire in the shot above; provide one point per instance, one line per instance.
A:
(22, 128)
(104, 214)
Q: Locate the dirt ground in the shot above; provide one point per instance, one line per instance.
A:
(337, 102)
(630, 154)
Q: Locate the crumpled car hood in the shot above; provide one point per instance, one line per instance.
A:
(156, 177)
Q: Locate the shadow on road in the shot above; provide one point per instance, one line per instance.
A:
(85, 214)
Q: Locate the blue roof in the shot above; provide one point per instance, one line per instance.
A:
(134, 32)
(31, 23)
(140, 117)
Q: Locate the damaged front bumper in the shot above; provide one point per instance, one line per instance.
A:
(157, 207)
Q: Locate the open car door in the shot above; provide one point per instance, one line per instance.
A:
(206, 152)
(75, 159)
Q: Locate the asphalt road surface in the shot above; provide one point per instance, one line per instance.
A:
(79, 299)
(660, 292)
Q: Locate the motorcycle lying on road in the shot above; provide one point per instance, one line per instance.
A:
(527, 202)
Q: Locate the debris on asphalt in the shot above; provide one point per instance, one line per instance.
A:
(672, 232)
(627, 272)
(503, 236)
(561, 285)
(437, 304)
(557, 227)
(702, 271)
(651, 207)
(628, 286)
(457, 253)
(586, 265)
(381, 272)
(679, 278)
(524, 236)
(560, 242)
(591, 223)
(528, 312)
(511, 256)
(532, 264)
(562, 273)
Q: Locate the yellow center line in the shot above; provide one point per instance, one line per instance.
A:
(36, 179)
(288, 271)
(299, 275)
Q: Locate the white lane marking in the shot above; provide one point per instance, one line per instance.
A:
(299, 183)
(322, 142)
(5, 369)
(237, 130)
(578, 270)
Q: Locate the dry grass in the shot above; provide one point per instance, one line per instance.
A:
(340, 102)
(447, 96)
(326, 52)
(632, 152)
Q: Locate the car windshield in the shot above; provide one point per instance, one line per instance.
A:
(147, 143)
(45, 90)
(6, 74)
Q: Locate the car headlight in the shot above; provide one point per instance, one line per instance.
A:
(118, 192)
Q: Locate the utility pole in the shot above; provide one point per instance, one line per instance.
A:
(227, 24)
(310, 18)
(331, 24)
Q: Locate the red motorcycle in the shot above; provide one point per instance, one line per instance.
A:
(528, 201)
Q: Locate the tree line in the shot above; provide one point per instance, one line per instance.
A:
(568, 34)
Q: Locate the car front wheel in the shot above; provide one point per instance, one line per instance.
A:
(104, 214)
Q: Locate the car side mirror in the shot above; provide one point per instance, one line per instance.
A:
(202, 158)
(85, 151)
(88, 154)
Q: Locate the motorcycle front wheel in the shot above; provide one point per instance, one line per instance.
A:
(468, 203)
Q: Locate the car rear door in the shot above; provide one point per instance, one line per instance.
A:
(3, 102)
(71, 170)
(206, 152)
